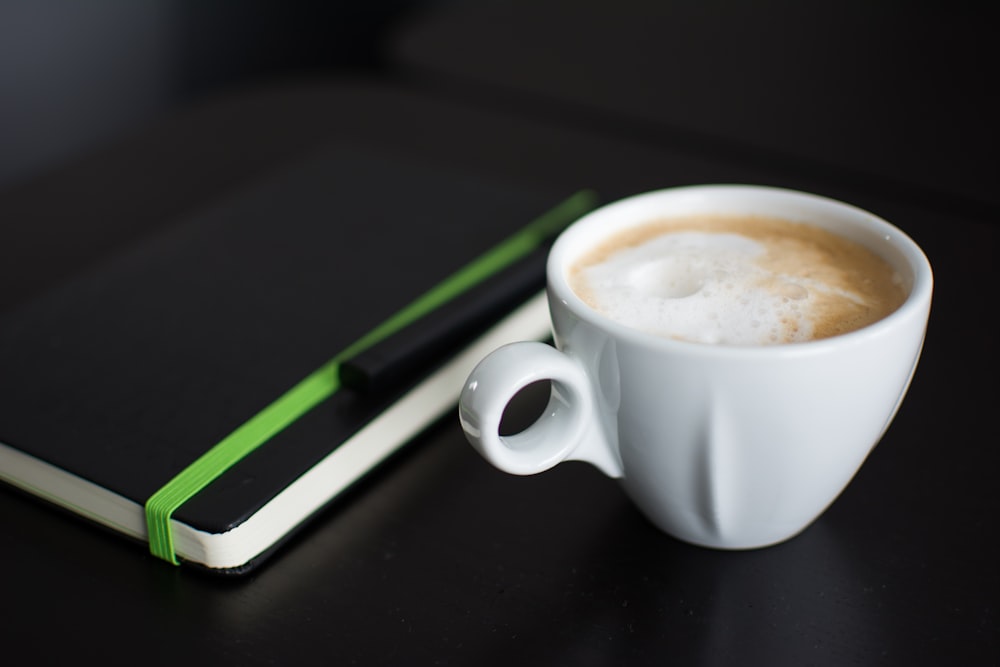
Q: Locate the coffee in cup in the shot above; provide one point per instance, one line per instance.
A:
(818, 308)
(741, 280)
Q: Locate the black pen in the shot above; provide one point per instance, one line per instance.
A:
(441, 332)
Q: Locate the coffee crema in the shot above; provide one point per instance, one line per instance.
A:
(736, 280)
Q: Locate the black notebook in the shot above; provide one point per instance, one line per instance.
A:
(187, 392)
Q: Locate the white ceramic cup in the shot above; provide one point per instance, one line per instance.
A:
(731, 447)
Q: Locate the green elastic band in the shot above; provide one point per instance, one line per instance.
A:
(323, 382)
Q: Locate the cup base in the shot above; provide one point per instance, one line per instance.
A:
(726, 543)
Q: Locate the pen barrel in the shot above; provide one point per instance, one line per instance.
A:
(437, 335)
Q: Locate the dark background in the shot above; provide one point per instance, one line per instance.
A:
(889, 94)
(74, 76)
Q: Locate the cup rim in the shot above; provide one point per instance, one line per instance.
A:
(916, 304)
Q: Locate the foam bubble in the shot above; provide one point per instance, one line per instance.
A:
(703, 287)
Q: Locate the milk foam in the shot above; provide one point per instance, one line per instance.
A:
(712, 288)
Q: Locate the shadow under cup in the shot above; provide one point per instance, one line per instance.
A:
(723, 446)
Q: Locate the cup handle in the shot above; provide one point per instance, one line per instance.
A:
(568, 429)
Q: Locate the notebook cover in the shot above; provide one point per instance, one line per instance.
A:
(131, 370)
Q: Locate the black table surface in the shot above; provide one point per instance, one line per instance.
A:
(438, 558)
(898, 94)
